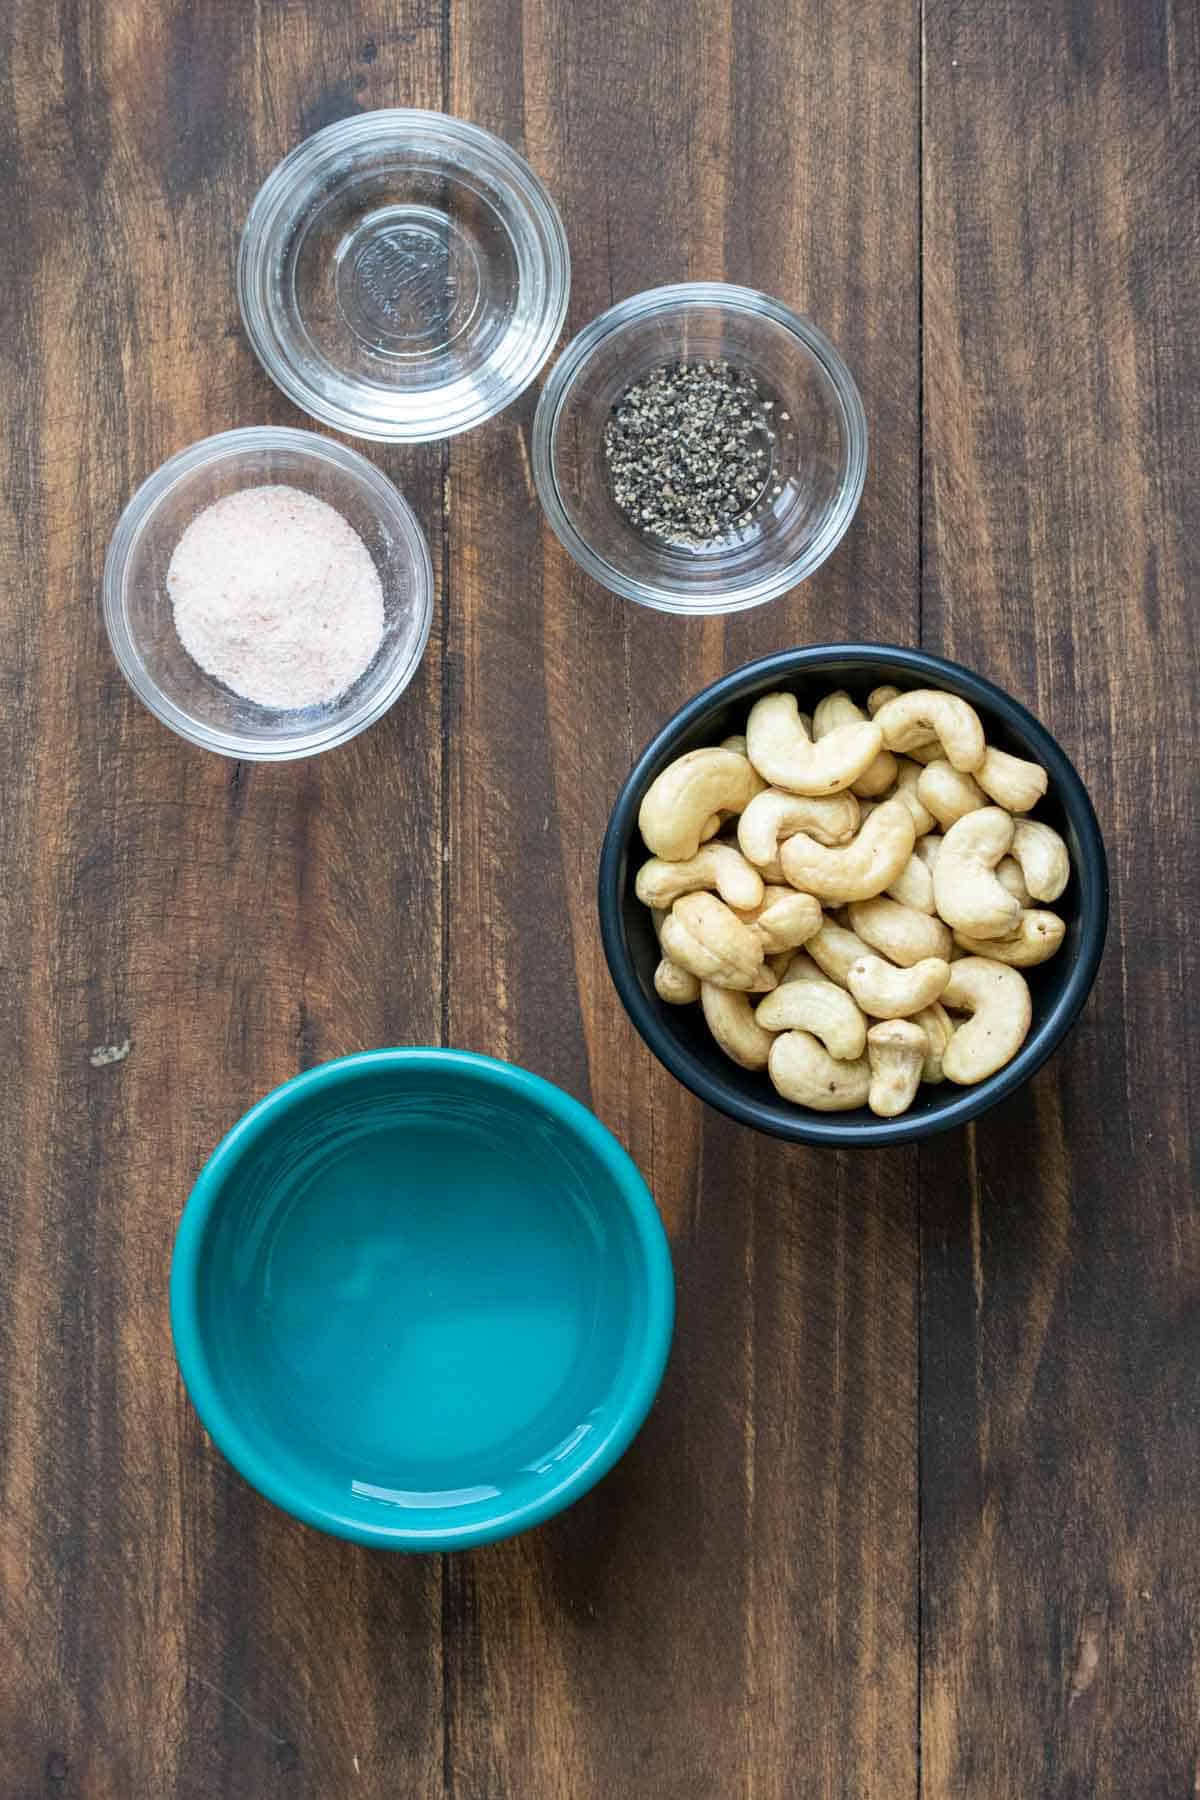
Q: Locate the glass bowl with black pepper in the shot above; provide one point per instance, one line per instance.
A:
(700, 448)
(403, 275)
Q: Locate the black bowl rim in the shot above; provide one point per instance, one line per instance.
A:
(794, 1124)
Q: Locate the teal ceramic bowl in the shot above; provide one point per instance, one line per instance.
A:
(421, 1299)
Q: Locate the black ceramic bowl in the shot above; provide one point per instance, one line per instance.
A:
(679, 1036)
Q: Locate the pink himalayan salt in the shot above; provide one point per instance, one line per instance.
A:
(276, 595)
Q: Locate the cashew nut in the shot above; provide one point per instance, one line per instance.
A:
(931, 751)
(782, 751)
(921, 922)
(1035, 940)
(772, 872)
(678, 987)
(878, 778)
(965, 888)
(1008, 874)
(913, 886)
(935, 1022)
(896, 1052)
(680, 802)
(803, 1071)
(864, 867)
(765, 982)
(834, 710)
(830, 818)
(908, 781)
(1043, 858)
(806, 1002)
(834, 950)
(732, 1022)
(924, 748)
(997, 998)
(800, 967)
(898, 932)
(703, 935)
(1012, 782)
(784, 920)
(912, 718)
(879, 697)
(839, 709)
(717, 866)
(947, 793)
(737, 744)
(889, 993)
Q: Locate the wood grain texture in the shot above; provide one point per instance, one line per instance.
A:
(163, 1631)
(914, 1511)
(737, 1601)
(743, 1589)
(1061, 1252)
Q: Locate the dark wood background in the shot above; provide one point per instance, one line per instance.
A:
(917, 1510)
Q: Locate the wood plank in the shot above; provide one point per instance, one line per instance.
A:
(164, 1631)
(173, 1634)
(733, 1610)
(1061, 1237)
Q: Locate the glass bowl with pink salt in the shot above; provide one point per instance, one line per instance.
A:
(268, 593)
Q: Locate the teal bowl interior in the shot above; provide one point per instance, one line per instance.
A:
(420, 1298)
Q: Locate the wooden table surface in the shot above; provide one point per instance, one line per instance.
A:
(916, 1512)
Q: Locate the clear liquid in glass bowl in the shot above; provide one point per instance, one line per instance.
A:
(403, 275)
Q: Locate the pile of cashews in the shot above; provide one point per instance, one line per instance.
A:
(852, 897)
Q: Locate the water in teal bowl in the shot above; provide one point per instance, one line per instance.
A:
(421, 1298)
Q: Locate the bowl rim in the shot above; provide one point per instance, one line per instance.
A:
(677, 297)
(773, 1116)
(136, 518)
(438, 1531)
(394, 125)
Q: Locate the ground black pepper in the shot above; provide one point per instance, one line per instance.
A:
(688, 450)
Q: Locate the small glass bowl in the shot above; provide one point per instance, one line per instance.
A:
(403, 275)
(140, 618)
(817, 463)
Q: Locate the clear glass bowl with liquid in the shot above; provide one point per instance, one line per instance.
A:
(813, 473)
(403, 275)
